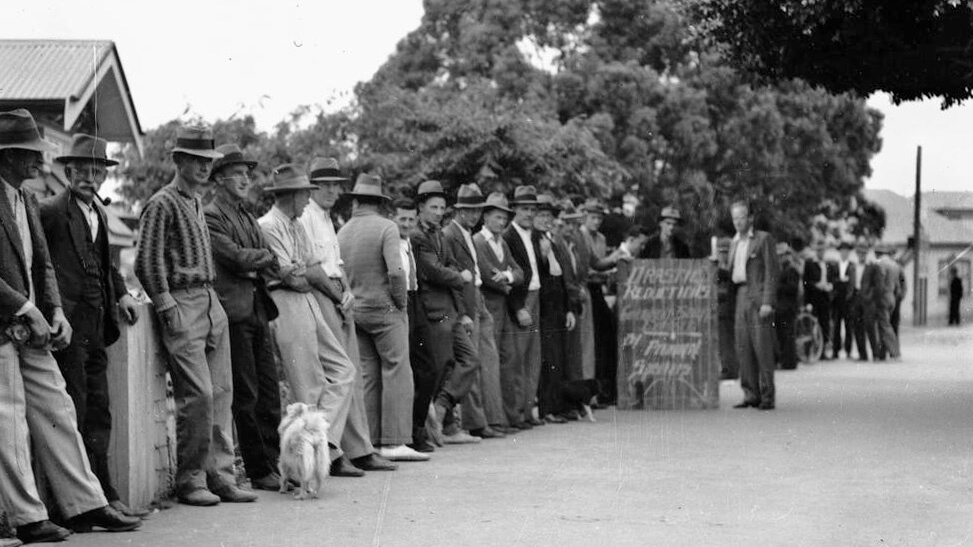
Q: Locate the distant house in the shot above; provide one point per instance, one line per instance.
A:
(71, 86)
(952, 205)
(946, 241)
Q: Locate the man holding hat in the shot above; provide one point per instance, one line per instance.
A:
(35, 408)
(666, 244)
(483, 412)
(175, 264)
(502, 274)
(441, 285)
(369, 243)
(524, 300)
(93, 295)
(241, 254)
(318, 369)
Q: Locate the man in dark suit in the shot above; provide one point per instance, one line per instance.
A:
(819, 278)
(35, 407)
(754, 271)
(666, 244)
(524, 300)
(788, 291)
(240, 254)
(92, 293)
(441, 286)
(841, 306)
(500, 275)
(870, 297)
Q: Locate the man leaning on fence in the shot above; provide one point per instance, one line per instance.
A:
(35, 409)
(174, 262)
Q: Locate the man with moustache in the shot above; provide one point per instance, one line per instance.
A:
(441, 285)
(35, 408)
(241, 254)
(318, 369)
(483, 412)
(500, 275)
(369, 243)
(175, 264)
(93, 295)
(524, 300)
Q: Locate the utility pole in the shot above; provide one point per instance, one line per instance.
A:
(917, 312)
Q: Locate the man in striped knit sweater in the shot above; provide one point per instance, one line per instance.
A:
(175, 265)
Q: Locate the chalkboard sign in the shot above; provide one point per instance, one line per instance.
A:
(667, 335)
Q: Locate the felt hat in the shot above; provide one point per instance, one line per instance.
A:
(883, 248)
(497, 201)
(845, 244)
(88, 148)
(546, 202)
(325, 170)
(232, 155)
(289, 178)
(19, 130)
(469, 197)
(594, 205)
(196, 140)
(524, 195)
(569, 211)
(368, 186)
(670, 213)
(430, 188)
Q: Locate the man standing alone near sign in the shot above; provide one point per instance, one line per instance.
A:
(754, 271)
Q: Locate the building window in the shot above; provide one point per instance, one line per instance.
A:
(963, 270)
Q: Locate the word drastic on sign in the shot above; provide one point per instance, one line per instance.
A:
(667, 335)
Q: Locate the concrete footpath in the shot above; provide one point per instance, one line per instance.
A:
(855, 454)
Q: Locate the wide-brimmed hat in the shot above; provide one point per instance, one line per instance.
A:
(325, 170)
(670, 213)
(289, 178)
(569, 211)
(87, 148)
(497, 201)
(524, 195)
(594, 205)
(546, 202)
(19, 130)
(430, 188)
(469, 196)
(196, 140)
(232, 155)
(845, 244)
(368, 186)
(883, 248)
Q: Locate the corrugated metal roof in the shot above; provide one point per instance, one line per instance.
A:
(49, 69)
(899, 218)
(937, 200)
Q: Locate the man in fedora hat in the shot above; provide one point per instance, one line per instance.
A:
(318, 369)
(483, 414)
(666, 243)
(336, 301)
(500, 275)
(35, 407)
(369, 245)
(175, 264)
(241, 254)
(524, 300)
(441, 285)
(93, 295)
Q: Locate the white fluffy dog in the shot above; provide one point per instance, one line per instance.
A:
(304, 457)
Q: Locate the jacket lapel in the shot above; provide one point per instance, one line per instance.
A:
(73, 216)
(10, 226)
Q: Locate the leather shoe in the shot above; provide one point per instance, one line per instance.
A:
(43, 531)
(745, 404)
(487, 433)
(554, 419)
(373, 462)
(402, 453)
(535, 422)
(523, 426)
(342, 467)
(10, 542)
(766, 406)
(104, 517)
(571, 415)
(460, 437)
(232, 494)
(505, 429)
(270, 482)
(200, 497)
(126, 510)
(422, 446)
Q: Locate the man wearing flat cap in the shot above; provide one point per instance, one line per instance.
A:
(175, 264)
(241, 254)
(93, 295)
(318, 369)
(35, 407)
(666, 244)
